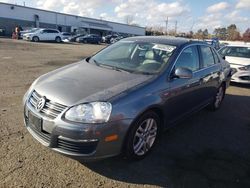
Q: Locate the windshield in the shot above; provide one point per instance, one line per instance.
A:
(235, 51)
(134, 56)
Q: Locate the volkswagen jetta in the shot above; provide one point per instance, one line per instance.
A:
(122, 98)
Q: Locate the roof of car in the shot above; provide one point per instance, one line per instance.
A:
(175, 41)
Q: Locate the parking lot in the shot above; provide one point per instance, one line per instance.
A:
(210, 149)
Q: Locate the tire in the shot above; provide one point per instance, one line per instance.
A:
(35, 39)
(218, 98)
(142, 136)
(84, 41)
(58, 39)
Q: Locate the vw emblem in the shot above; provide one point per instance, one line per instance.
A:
(40, 104)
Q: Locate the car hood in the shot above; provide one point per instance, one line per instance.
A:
(84, 82)
(238, 61)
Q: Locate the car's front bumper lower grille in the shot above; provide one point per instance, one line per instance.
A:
(62, 144)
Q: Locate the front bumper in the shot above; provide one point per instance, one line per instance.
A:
(79, 141)
(240, 76)
(29, 38)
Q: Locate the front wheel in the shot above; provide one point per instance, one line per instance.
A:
(142, 136)
(58, 39)
(218, 98)
(35, 39)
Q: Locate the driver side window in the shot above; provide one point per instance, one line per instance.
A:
(189, 58)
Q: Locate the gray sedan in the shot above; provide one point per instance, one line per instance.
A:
(121, 99)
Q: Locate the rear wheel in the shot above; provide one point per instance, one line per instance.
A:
(58, 39)
(218, 98)
(85, 41)
(142, 136)
(35, 39)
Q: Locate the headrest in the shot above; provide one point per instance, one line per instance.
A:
(149, 55)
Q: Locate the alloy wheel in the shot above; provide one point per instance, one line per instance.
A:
(145, 136)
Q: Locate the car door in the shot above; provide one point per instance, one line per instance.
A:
(185, 94)
(210, 73)
(55, 33)
(52, 34)
(91, 39)
(43, 34)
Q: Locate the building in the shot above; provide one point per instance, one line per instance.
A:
(12, 15)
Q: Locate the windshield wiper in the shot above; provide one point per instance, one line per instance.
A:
(96, 63)
(110, 67)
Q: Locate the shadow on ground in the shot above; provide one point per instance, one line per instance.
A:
(210, 149)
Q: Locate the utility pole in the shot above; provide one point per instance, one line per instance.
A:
(167, 25)
(24, 3)
(175, 27)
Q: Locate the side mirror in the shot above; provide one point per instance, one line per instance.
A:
(183, 73)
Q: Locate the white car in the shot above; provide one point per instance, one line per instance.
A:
(239, 58)
(44, 35)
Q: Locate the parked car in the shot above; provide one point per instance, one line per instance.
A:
(74, 37)
(91, 38)
(2, 32)
(213, 42)
(107, 39)
(239, 58)
(122, 98)
(44, 35)
(32, 30)
(66, 36)
(114, 40)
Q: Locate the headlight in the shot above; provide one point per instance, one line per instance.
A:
(245, 68)
(95, 112)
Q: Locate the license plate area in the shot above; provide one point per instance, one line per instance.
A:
(34, 121)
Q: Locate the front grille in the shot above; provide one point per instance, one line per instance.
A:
(51, 109)
(247, 78)
(77, 147)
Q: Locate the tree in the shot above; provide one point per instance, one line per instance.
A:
(246, 35)
(205, 34)
(221, 33)
(199, 34)
(233, 33)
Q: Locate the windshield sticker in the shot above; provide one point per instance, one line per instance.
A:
(166, 48)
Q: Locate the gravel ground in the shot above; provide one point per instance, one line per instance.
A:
(210, 149)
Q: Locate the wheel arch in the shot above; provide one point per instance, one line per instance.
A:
(156, 109)
(35, 37)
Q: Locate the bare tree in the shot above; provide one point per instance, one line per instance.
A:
(246, 35)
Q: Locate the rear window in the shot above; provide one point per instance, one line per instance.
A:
(235, 51)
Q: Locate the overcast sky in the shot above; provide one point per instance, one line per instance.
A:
(189, 14)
